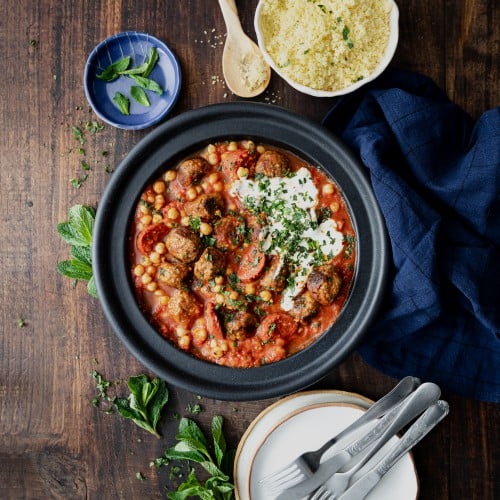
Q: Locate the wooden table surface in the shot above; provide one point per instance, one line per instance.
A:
(53, 442)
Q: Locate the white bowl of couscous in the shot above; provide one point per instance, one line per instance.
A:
(327, 48)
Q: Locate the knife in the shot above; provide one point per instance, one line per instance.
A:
(414, 404)
(413, 435)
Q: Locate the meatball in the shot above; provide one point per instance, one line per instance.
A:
(207, 206)
(272, 164)
(191, 171)
(304, 307)
(210, 264)
(183, 308)
(229, 232)
(239, 325)
(183, 244)
(324, 283)
(275, 276)
(173, 274)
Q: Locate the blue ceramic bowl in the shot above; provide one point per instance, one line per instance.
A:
(100, 93)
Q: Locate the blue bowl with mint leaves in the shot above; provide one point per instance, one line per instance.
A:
(132, 80)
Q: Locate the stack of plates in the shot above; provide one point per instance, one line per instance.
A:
(304, 422)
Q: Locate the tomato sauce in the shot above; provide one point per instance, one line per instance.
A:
(242, 254)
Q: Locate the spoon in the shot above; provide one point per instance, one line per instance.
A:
(246, 72)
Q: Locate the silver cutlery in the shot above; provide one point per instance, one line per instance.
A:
(307, 463)
(420, 428)
(424, 396)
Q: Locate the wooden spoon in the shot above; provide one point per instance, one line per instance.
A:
(246, 72)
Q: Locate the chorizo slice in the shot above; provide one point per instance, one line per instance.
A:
(252, 264)
(212, 321)
(231, 161)
(150, 236)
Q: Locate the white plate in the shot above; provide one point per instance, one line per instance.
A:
(301, 422)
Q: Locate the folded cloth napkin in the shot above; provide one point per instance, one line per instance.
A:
(436, 176)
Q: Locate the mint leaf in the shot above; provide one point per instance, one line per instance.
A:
(139, 95)
(82, 218)
(122, 102)
(150, 62)
(83, 254)
(113, 70)
(147, 84)
(75, 269)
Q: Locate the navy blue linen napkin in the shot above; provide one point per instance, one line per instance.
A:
(436, 176)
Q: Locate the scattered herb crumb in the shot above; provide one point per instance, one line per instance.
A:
(140, 476)
(21, 323)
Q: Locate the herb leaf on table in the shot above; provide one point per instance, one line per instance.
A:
(144, 403)
(193, 446)
(77, 232)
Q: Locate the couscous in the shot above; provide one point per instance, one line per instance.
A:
(325, 44)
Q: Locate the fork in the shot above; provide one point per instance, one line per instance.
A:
(335, 490)
(391, 423)
(307, 463)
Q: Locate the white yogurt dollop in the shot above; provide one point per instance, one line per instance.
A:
(291, 229)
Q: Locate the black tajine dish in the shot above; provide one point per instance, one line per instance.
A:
(164, 148)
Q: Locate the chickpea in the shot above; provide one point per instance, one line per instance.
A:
(205, 187)
(211, 148)
(151, 270)
(185, 221)
(205, 228)
(151, 287)
(217, 288)
(157, 218)
(213, 177)
(334, 206)
(172, 213)
(180, 331)
(219, 298)
(191, 194)
(170, 175)
(184, 342)
(250, 289)
(199, 189)
(261, 149)
(328, 189)
(160, 248)
(159, 292)
(219, 280)
(163, 300)
(199, 335)
(232, 146)
(234, 295)
(150, 198)
(140, 226)
(143, 209)
(231, 207)
(250, 145)
(146, 279)
(242, 172)
(139, 270)
(218, 187)
(159, 201)
(146, 219)
(145, 261)
(213, 159)
(159, 187)
(155, 257)
(266, 295)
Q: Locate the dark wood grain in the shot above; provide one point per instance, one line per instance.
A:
(53, 442)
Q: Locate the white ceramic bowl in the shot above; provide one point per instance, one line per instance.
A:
(382, 65)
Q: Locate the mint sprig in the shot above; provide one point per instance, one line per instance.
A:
(77, 232)
(215, 458)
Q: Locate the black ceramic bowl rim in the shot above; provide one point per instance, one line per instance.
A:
(162, 149)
